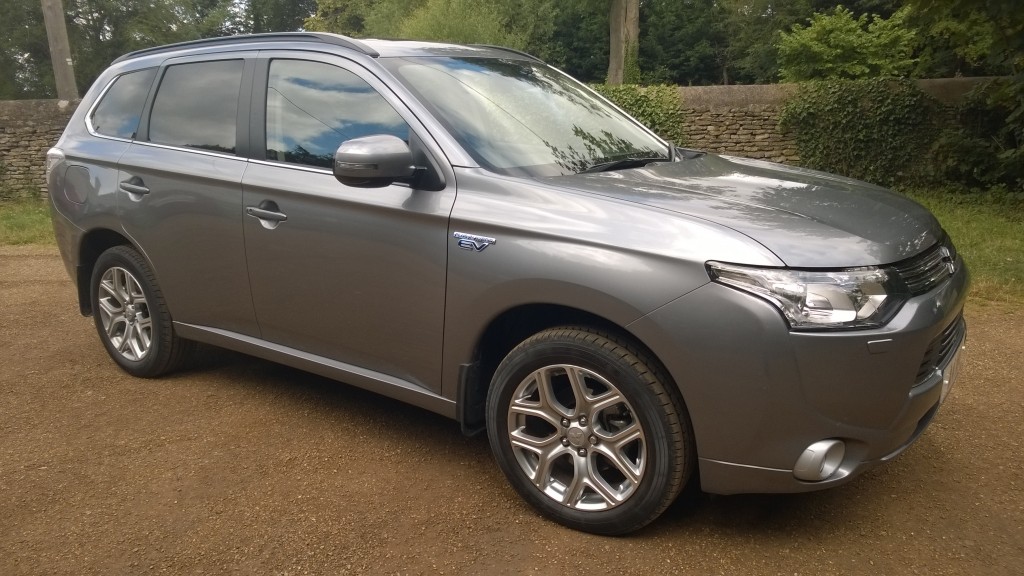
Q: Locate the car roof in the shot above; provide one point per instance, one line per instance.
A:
(372, 48)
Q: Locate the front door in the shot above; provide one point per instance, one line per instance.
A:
(355, 275)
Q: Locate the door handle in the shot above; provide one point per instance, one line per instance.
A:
(133, 186)
(268, 214)
(262, 214)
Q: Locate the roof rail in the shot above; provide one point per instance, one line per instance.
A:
(335, 39)
(506, 49)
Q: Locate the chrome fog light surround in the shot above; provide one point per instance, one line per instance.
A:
(819, 460)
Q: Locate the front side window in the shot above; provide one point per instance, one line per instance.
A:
(196, 106)
(117, 113)
(313, 107)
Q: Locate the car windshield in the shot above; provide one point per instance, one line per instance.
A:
(522, 117)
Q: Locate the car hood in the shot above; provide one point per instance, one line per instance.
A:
(807, 218)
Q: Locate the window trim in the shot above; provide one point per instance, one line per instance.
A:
(242, 114)
(258, 106)
(316, 71)
(96, 104)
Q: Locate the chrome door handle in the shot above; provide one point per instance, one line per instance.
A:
(132, 188)
(262, 214)
(268, 214)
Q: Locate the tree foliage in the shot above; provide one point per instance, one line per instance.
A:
(839, 45)
(988, 33)
(676, 41)
(657, 107)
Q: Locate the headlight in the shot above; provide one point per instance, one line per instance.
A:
(814, 299)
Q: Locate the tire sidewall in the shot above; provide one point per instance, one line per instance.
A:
(647, 500)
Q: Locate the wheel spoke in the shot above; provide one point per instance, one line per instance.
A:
(620, 438)
(603, 402)
(578, 386)
(545, 463)
(610, 495)
(520, 439)
(121, 285)
(632, 472)
(107, 286)
(524, 409)
(124, 346)
(548, 401)
(138, 342)
(574, 491)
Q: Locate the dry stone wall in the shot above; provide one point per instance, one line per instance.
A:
(739, 120)
(28, 128)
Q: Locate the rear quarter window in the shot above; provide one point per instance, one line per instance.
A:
(118, 111)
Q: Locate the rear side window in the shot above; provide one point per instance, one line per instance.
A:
(196, 105)
(313, 107)
(117, 113)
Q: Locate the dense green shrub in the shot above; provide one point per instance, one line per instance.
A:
(981, 149)
(657, 107)
(880, 130)
(889, 132)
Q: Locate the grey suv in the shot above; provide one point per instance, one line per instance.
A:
(473, 232)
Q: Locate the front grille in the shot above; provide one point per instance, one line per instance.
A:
(940, 349)
(928, 269)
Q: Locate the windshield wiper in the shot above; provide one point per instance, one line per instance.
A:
(623, 163)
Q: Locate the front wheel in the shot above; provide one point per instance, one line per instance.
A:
(587, 430)
(131, 316)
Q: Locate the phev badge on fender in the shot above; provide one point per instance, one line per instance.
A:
(473, 242)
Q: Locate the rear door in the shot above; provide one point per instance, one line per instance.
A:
(356, 275)
(180, 189)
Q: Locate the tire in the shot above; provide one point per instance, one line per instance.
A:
(131, 316)
(589, 431)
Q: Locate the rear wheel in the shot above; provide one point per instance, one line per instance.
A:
(588, 430)
(131, 316)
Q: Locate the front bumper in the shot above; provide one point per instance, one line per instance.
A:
(758, 395)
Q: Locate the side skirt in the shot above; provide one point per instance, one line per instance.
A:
(376, 382)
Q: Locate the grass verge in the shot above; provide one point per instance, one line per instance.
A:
(988, 230)
(25, 221)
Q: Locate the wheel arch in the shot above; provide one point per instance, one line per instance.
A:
(504, 332)
(93, 243)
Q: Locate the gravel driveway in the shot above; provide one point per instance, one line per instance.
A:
(242, 466)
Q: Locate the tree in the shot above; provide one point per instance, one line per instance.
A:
(277, 15)
(684, 42)
(988, 33)
(102, 30)
(25, 70)
(623, 42)
(752, 27)
(837, 45)
(525, 25)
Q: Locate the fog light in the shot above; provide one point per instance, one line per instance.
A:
(820, 460)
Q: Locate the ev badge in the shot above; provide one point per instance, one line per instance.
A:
(473, 242)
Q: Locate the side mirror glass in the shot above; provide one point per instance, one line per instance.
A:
(370, 161)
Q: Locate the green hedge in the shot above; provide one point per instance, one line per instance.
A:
(880, 130)
(657, 107)
(889, 132)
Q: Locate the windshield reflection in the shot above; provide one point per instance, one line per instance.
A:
(521, 117)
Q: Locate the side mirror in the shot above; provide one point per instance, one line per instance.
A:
(372, 161)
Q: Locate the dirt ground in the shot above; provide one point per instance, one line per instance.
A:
(242, 466)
